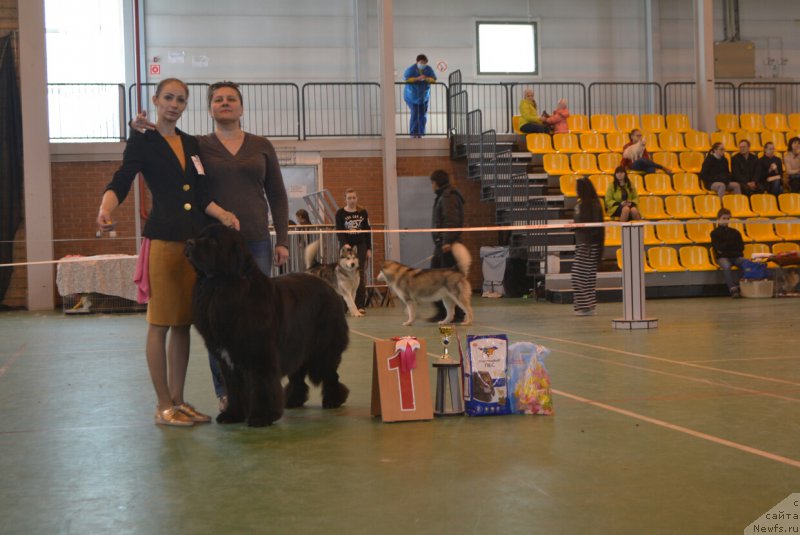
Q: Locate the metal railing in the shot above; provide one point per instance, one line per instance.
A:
(768, 97)
(457, 109)
(195, 120)
(86, 112)
(341, 109)
(492, 100)
(614, 98)
(437, 111)
(547, 95)
(679, 97)
(271, 110)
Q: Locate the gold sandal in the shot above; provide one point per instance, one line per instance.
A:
(173, 416)
(195, 415)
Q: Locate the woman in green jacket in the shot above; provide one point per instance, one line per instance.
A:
(622, 199)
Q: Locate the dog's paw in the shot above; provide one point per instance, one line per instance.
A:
(465, 322)
(295, 395)
(408, 323)
(335, 396)
(262, 420)
(229, 417)
(357, 314)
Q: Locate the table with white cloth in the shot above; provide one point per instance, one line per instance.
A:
(110, 275)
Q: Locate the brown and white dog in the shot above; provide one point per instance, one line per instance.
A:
(342, 275)
(449, 285)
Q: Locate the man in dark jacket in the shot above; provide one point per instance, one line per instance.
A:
(744, 168)
(728, 247)
(448, 212)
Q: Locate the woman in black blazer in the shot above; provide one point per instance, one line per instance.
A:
(168, 159)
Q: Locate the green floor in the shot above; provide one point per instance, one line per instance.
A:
(689, 428)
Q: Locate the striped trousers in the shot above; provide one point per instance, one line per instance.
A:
(584, 276)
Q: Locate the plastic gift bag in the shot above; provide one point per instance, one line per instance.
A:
(485, 380)
(528, 380)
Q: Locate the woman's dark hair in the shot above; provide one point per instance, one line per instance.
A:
(302, 216)
(621, 169)
(630, 135)
(791, 141)
(166, 81)
(219, 85)
(422, 57)
(714, 147)
(585, 190)
(722, 212)
(440, 177)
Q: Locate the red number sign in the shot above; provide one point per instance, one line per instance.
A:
(405, 380)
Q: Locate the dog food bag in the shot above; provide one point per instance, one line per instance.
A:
(485, 381)
(528, 381)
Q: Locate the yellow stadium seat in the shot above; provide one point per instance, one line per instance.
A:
(647, 268)
(668, 160)
(652, 122)
(707, 205)
(658, 184)
(794, 122)
(608, 161)
(650, 237)
(761, 230)
(663, 259)
(738, 225)
(680, 207)
(603, 123)
(752, 137)
(616, 140)
(691, 161)
(726, 138)
(638, 183)
(653, 208)
(515, 120)
(755, 248)
(671, 141)
(789, 203)
(787, 231)
(687, 184)
(738, 204)
(751, 122)
(699, 230)
(578, 123)
(651, 139)
(613, 236)
(777, 139)
(765, 205)
(568, 185)
(539, 143)
(697, 141)
(584, 163)
(785, 247)
(678, 122)
(601, 183)
(776, 122)
(594, 143)
(728, 122)
(556, 164)
(695, 258)
(627, 122)
(672, 234)
(567, 143)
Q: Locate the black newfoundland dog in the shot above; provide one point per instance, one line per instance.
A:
(262, 329)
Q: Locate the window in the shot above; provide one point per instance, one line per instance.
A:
(507, 48)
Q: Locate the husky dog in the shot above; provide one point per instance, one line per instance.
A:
(343, 275)
(449, 285)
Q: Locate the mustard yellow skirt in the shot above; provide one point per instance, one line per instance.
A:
(171, 281)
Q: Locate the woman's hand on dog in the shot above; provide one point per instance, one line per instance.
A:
(281, 255)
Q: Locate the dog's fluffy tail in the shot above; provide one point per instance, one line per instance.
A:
(311, 254)
(462, 256)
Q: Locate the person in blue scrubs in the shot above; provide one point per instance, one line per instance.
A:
(417, 94)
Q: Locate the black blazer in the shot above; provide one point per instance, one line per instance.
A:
(180, 197)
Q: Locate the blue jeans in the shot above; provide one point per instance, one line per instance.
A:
(726, 264)
(419, 117)
(262, 253)
(646, 166)
(774, 187)
(533, 128)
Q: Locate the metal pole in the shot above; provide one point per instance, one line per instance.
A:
(389, 139)
(633, 292)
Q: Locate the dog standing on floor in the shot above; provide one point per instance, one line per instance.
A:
(414, 286)
(343, 275)
(261, 329)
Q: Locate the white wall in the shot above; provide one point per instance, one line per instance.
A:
(314, 40)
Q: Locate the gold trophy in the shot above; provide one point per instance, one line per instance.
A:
(449, 401)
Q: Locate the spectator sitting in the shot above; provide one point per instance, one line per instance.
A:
(302, 217)
(622, 199)
(558, 119)
(728, 246)
(744, 168)
(770, 170)
(636, 157)
(791, 161)
(530, 122)
(715, 173)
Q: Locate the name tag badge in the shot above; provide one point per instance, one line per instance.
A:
(198, 165)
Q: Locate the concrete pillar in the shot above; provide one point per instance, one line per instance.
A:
(36, 154)
(389, 141)
(705, 97)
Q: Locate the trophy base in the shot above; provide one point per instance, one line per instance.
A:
(445, 362)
